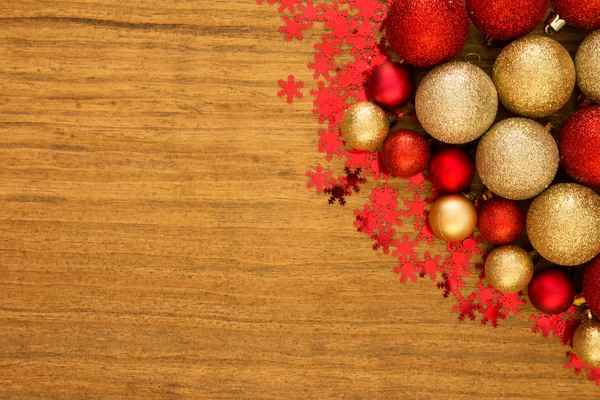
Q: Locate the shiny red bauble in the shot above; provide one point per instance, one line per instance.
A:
(583, 14)
(427, 32)
(391, 85)
(506, 19)
(451, 170)
(591, 286)
(579, 146)
(500, 221)
(405, 153)
(552, 290)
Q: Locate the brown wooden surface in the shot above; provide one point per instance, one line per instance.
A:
(158, 240)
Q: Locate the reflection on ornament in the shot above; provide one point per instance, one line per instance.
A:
(391, 85)
(453, 217)
(551, 290)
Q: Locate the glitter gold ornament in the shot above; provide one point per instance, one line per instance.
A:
(586, 343)
(535, 76)
(456, 102)
(453, 217)
(509, 269)
(517, 159)
(587, 63)
(364, 126)
(563, 224)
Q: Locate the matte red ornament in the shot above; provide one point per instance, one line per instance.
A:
(427, 32)
(501, 221)
(451, 170)
(552, 290)
(405, 153)
(583, 14)
(579, 146)
(391, 85)
(506, 19)
(591, 286)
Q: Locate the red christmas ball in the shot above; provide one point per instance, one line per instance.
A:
(507, 19)
(391, 85)
(501, 221)
(591, 286)
(405, 153)
(579, 146)
(552, 290)
(451, 170)
(427, 32)
(583, 14)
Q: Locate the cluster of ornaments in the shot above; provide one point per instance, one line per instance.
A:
(516, 158)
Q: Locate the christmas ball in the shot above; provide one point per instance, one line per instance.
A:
(405, 153)
(427, 32)
(500, 221)
(587, 64)
(579, 146)
(552, 290)
(517, 159)
(452, 218)
(391, 85)
(535, 76)
(583, 14)
(509, 269)
(364, 126)
(451, 170)
(506, 19)
(456, 102)
(586, 343)
(563, 224)
(591, 286)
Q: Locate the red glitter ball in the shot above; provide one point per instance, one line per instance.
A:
(583, 14)
(500, 221)
(579, 146)
(451, 170)
(552, 290)
(507, 19)
(427, 32)
(591, 286)
(405, 153)
(391, 85)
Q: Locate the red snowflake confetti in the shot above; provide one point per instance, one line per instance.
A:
(290, 89)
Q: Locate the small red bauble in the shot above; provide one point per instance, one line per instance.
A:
(552, 290)
(391, 85)
(506, 19)
(501, 221)
(591, 286)
(579, 146)
(583, 14)
(427, 32)
(451, 170)
(405, 153)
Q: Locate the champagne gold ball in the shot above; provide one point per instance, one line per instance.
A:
(509, 269)
(517, 159)
(563, 224)
(365, 126)
(452, 217)
(535, 76)
(587, 63)
(456, 102)
(586, 343)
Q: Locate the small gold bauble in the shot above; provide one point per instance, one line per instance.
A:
(517, 159)
(456, 102)
(365, 126)
(509, 269)
(453, 217)
(535, 76)
(563, 224)
(587, 63)
(586, 343)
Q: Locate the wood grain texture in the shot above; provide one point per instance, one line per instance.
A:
(157, 239)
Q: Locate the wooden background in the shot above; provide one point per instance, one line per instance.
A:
(157, 239)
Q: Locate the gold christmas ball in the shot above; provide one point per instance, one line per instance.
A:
(509, 269)
(587, 63)
(453, 217)
(517, 159)
(456, 102)
(563, 224)
(365, 126)
(586, 343)
(535, 76)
